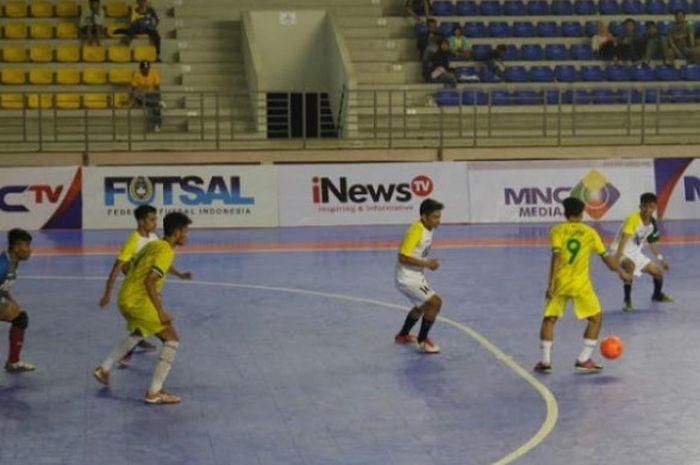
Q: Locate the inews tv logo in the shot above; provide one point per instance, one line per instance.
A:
(325, 190)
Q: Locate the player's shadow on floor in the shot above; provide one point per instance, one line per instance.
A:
(598, 379)
(11, 407)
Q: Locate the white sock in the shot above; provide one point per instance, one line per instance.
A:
(546, 347)
(165, 362)
(120, 351)
(587, 351)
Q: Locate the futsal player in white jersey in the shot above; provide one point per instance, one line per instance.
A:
(638, 229)
(410, 278)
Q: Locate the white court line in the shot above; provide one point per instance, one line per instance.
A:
(549, 399)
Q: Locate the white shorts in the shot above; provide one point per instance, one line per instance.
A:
(639, 259)
(417, 290)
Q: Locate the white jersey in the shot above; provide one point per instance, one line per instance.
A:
(639, 233)
(133, 244)
(416, 243)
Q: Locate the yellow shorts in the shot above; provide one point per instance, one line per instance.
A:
(585, 305)
(141, 318)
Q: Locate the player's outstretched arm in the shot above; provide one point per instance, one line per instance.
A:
(180, 274)
(613, 264)
(655, 250)
(621, 247)
(431, 264)
(107, 294)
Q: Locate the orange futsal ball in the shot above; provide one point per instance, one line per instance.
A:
(612, 347)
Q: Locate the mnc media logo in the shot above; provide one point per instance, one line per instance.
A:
(597, 192)
(323, 190)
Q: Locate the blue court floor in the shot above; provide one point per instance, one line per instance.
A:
(287, 357)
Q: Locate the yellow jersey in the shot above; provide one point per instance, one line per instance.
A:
(145, 83)
(574, 242)
(416, 243)
(133, 244)
(639, 233)
(156, 256)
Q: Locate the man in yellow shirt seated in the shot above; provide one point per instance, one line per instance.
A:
(145, 91)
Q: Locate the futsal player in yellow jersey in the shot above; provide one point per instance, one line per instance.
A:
(141, 306)
(410, 277)
(569, 280)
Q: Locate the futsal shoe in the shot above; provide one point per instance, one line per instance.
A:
(542, 367)
(146, 346)
(661, 298)
(627, 306)
(161, 397)
(427, 347)
(19, 367)
(407, 339)
(101, 375)
(589, 366)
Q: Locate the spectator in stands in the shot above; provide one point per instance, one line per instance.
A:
(625, 49)
(650, 45)
(603, 42)
(145, 92)
(92, 23)
(681, 39)
(494, 61)
(419, 10)
(459, 47)
(429, 38)
(440, 70)
(144, 20)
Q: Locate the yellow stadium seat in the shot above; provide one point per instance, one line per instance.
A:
(95, 101)
(68, 101)
(95, 76)
(68, 53)
(41, 31)
(67, 9)
(41, 9)
(14, 53)
(15, 31)
(66, 31)
(120, 76)
(12, 76)
(15, 9)
(11, 101)
(41, 76)
(119, 53)
(121, 100)
(40, 53)
(68, 76)
(43, 100)
(117, 9)
(144, 52)
(94, 53)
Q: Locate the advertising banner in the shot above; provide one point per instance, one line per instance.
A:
(213, 196)
(382, 193)
(532, 191)
(40, 198)
(678, 188)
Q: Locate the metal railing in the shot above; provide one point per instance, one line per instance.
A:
(399, 118)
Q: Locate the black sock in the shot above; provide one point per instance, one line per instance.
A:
(628, 292)
(424, 328)
(658, 283)
(407, 325)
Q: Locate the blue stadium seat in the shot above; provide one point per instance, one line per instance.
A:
(571, 29)
(652, 95)
(475, 29)
(547, 29)
(537, 8)
(487, 76)
(608, 7)
(481, 51)
(640, 28)
(474, 97)
(420, 29)
(655, 7)
(617, 73)
(666, 73)
(446, 28)
(562, 7)
(690, 73)
(696, 94)
(615, 28)
(499, 29)
(516, 74)
(590, 28)
(603, 96)
(490, 8)
(528, 97)
(501, 97)
(555, 52)
(551, 96)
(532, 52)
(696, 6)
(634, 96)
(565, 73)
(641, 73)
(466, 8)
(524, 29)
(591, 73)
(585, 8)
(514, 8)
(465, 71)
(447, 98)
(675, 5)
(579, 97)
(512, 53)
(632, 7)
(662, 27)
(581, 52)
(541, 74)
(677, 95)
(442, 8)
